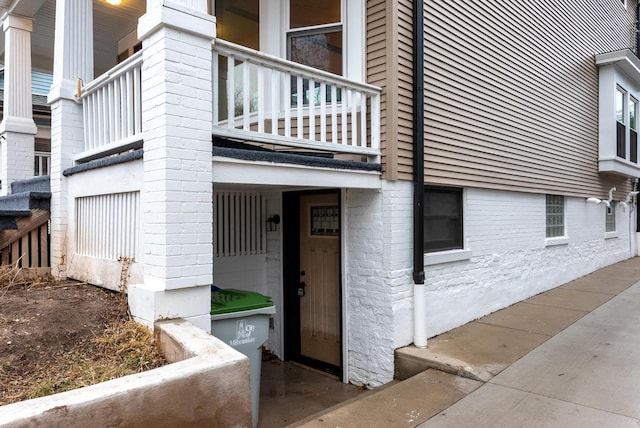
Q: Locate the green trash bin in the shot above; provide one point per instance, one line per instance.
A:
(241, 320)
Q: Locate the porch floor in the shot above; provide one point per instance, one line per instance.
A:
(289, 393)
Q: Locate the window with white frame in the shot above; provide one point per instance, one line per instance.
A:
(315, 34)
(626, 125)
(610, 218)
(633, 129)
(442, 219)
(621, 128)
(555, 216)
(315, 38)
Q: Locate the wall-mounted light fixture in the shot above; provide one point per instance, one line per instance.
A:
(273, 222)
(599, 201)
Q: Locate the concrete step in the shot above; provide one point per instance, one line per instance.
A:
(403, 404)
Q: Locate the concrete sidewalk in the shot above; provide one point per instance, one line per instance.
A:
(567, 357)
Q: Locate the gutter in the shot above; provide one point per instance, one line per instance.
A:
(419, 298)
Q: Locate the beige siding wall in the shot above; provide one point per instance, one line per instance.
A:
(512, 92)
(389, 58)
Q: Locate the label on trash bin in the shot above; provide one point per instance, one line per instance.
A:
(244, 333)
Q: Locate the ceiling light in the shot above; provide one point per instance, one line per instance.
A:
(114, 2)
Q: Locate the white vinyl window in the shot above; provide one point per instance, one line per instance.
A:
(610, 218)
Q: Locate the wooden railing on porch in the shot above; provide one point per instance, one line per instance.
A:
(28, 246)
(256, 97)
(263, 98)
(112, 108)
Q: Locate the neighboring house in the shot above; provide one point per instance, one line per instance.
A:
(271, 148)
(40, 85)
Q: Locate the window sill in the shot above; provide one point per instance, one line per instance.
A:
(446, 257)
(560, 240)
(611, 235)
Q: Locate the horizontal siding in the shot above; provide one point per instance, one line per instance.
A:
(389, 66)
(405, 89)
(512, 93)
(376, 51)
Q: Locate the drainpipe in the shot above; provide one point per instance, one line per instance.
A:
(419, 298)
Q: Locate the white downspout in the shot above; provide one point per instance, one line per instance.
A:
(419, 316)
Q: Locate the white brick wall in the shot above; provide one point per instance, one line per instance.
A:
(177, 189)
(65, 143)
(378, 269)
(506, 233)
(17, 154)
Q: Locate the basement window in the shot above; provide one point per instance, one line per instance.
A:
(442, 219)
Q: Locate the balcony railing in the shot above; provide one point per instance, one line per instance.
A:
(112, 106)
(262, 98)
(257, 97)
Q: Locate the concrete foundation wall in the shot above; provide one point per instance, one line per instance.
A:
(208, 386)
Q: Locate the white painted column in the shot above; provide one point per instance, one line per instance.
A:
(73, 59)
(177, 214)
(17, 130)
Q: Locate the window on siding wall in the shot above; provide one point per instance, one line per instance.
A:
(621, 129)
(442, 219)
(555, 216)
(633, 129)
(610, 218)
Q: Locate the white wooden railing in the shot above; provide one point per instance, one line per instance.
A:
(42, 163)
(263, 98)
(112, 105)
(239, 227)
(256, 96)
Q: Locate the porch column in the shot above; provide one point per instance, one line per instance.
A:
(177, 214)
(17, 130)
(73, 59)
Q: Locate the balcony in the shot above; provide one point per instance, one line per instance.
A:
(258, 99)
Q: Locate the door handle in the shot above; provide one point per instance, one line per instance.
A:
(301, 287)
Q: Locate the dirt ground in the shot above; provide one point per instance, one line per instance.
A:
(46, 327)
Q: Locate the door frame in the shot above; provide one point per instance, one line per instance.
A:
(291, 280)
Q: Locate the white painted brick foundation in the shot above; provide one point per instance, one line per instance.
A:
(505, 232)
(509, 261)
(378, 271)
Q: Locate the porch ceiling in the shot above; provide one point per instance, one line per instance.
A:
(111, 23)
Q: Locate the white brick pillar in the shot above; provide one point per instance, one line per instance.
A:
(177, 213)
(73, 59)
(17, 130)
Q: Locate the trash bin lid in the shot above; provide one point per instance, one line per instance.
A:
(225, 301)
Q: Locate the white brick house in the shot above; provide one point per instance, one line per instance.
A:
(268, 146)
